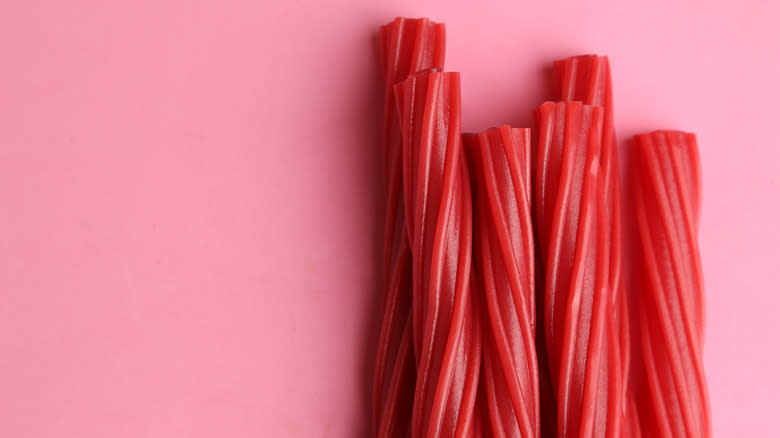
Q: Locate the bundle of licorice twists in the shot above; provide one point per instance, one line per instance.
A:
(505, 309)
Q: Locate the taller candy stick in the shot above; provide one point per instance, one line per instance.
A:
(574, 242)
(437, 199)
(406, 46)
(587, 78)
(667, 190)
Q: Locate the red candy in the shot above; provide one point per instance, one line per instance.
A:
(486, 234)
(406, 47)
(574, 243)
(588, 79)
(667, 192)
(505, 264)
(437, 197)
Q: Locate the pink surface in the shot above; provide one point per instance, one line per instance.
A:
(189, 197)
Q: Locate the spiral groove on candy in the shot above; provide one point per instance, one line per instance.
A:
(437, 199)
(504, 249)
(574, 242)
(668, 203)
(406, 46)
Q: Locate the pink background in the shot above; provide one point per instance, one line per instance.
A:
(189, 197)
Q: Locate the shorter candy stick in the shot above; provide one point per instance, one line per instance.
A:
(574, 242)
(667, 193)
(500, 159)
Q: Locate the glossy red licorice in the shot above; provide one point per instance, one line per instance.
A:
(437, 201)
(406, 46)
(504, 252)
(459, 352)
(587, 78)
(574, 242)
(667, 193)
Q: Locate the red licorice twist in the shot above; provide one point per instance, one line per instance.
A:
(587, 79)
(406, 46)
(574, 242)
(437, 201)
(667, 191)
(500, 159)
